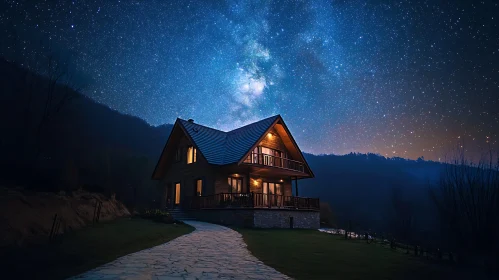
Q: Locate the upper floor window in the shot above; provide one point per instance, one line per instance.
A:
(178, 154)
(191, 154)
(267, 156)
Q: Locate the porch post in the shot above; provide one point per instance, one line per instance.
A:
(296, 185)
(248, 182)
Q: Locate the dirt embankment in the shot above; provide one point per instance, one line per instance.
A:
(27, 217)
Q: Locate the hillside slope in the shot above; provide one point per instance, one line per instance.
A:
(27, 217)
(80, 144)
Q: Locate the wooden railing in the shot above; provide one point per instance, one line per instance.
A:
(253, 200)
(275, 161)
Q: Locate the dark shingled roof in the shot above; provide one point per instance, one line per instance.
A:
(219, 147)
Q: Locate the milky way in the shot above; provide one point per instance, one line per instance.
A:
(398, 78)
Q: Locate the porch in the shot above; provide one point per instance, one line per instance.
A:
(253, 200)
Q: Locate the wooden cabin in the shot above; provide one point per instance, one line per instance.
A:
(247, 177)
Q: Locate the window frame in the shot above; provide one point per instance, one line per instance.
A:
(177, 194)
(231, 178)
(274, 158)
(200, 193)
(267, 184)
(191, 158)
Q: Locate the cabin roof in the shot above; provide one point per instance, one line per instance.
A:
(223, 148)
(219, 147)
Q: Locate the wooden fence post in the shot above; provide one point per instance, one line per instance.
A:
(53, 227)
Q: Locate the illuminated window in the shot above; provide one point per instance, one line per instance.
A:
(177, 193)
(235, 185)
(199, 187)
(191, 154)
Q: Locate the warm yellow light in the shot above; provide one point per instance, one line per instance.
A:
(255, 182)
(281, 181)
(235, 175)
(269, 135)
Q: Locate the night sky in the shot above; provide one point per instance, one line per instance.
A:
(398, 78)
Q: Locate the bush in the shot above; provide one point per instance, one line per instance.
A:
(159, 216)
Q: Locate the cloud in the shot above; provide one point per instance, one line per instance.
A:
(250, 78)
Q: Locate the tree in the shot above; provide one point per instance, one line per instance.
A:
(403, 218)
(55, 98)
(467, 198)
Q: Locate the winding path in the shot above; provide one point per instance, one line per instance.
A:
(209, 252)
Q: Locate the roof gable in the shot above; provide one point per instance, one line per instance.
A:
(240, 141)
(288, 140)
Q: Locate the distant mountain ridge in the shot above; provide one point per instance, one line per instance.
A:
(101, 145)
(88, 144)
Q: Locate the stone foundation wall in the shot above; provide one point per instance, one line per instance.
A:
(259, 218)
(282, 219)
(230, 217)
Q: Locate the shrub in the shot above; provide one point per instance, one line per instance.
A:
(159, 216)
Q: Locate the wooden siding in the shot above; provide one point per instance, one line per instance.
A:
(222, 182)
(186, 174)
(274, 142)
(255, 183)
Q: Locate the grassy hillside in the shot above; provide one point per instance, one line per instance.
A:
(371, 192)
(308, 254)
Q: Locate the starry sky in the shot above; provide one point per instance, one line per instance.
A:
(398, 78)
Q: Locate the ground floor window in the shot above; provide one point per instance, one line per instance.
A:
(272, 193)
(177, 193)
(272, 188)
(199, 187)
(235, 185)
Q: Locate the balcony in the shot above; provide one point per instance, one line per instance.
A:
(253, 200)
(275, 161)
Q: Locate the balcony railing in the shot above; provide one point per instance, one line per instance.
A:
(253, 200)
(275, 161)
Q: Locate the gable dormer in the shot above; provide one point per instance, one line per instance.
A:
(276, 148)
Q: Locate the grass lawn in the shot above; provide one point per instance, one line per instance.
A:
(88, 248)
(310, 254)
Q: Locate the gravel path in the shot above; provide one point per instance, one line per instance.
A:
(209, 252)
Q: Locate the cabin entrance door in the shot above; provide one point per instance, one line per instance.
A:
(272, 193)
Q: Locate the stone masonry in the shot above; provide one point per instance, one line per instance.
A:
(282, 219)
(209, 252)
(260, 218)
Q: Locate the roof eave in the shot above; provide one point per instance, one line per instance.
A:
(163, 151)
(312, 175)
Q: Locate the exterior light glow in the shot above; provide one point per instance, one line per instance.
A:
(269, 135)
(281, 180)
(255, 182)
